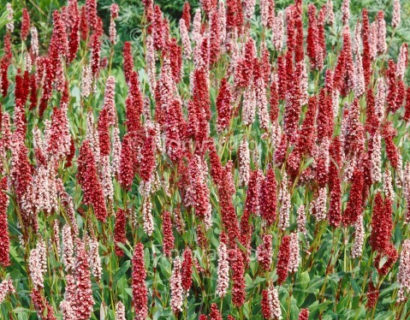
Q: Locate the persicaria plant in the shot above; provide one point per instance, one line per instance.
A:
(234, 159)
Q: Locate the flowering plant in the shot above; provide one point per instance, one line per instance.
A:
(247, 161)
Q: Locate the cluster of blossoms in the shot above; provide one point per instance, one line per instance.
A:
(258, 139)
(38, 264)
(270, 304)
(404, 271)
(6, 287)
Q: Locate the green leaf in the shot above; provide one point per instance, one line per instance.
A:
(121, 272)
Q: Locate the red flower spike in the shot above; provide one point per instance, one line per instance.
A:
(238, 270)
(280, 152)
(128, 60)
(228, 214)
(400, 94)
(91, 11)
(95, 53)
(348, 82)
(58, 42)
(127, 160)
(175, 57)
(307, 133)
(201, 93)
(84, 301)
(372, 295)
(334, 214)
(186, 271)
(42, 306)
(407, 107)
(290, 30)
(215, 314)
(103, 132)
(388, 134)
(283, 259)
(216, 166)
(265, 64)
(199, 188)
(83, 24)
(4, 66)
(392, 86)
(266, 305)
(268, 197)
(252, 194)
(25, 24)
(244, 70)
(344, 72)
(139, 288)
(321, 48)
(8, 54)
(223, 105)
(175, 131)
(186, 14)
(147, 164)
(293, 105)
(4, 236)
(299, 48)
(59, 134)
(378, 237)
(353, 128)
(366, 57)
(74, 39)
(149, 14)
(304, 314)
(119, 231)
(71, 154)
(290, 73)
(201, 238)
(158, 28)
(22, 175)
(382, 225)
(234, 15)
(312, 37)
(355, 204)
(214, 39)
(372, 123)
(264, 252)
(168, 237)
(133, 103)
(392, 256)
(89, 181)
(323, 116)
